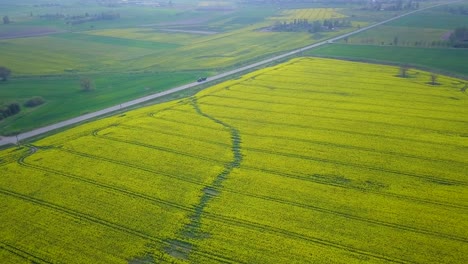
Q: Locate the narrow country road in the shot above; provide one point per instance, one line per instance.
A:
(15, 139)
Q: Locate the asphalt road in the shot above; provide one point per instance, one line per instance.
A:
(46, 129)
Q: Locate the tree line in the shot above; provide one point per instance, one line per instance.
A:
(459, 10)
(9, 110)
(459, 38)
(392, 5)
(303, 25)
(80, 19)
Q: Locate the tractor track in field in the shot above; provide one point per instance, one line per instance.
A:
(192, 229)
(23, 253)
(107, 224)
(131, 165)
(330, 130)
(316, 142)
(236, 222)
(233, 221)
(289, 234)
(309, 141)
(315, 208)
(102, 185)
(429, 178)
(281, 174)
(165, 149)
(445, 132)
(333, 101)
(365, 85)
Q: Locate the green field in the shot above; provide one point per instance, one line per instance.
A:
(429, 28)
(439, 60)
(437, 18)
(309, 161)
(64, 99)
(419, 40)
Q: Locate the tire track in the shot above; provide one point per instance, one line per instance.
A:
(159, 148)
(279, 174)
(352, 102)
(332, 130)
(190, 209)
(23, 253)
(429, 178)
(287, 233)
(107, 224)
(445, 132)
(138, 167)
(335, 101)
(366, 86)
(403, 197)
(103, 185)
(171, 133)
(214, 217)
(309, 141)
(388, 194)
(354, 217)
(192, 229)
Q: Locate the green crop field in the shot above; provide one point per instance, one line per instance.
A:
(429, 28)
(310, 161)
(419, 40)
(64, 99)
(437, 59)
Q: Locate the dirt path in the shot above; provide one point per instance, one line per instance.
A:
(16, 139)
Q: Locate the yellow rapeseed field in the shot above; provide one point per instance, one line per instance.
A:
(310, 161)
(311, 14)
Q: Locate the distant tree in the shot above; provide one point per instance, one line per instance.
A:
(404, 71)
(399, 5)
(4, 73)
(9, 110)
(86, 84)
(14, 108)
(6, 20)
(459, 37)
(434, 79)
(35, 101)
(464, 88)
(316, 26)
